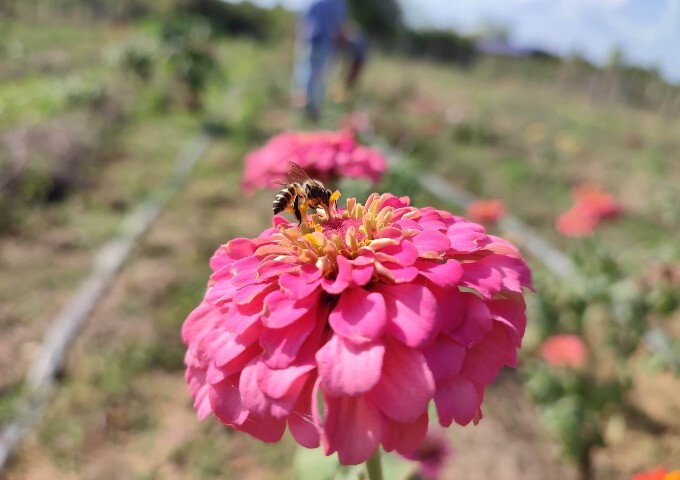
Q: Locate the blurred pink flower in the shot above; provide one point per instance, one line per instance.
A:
(564, 350)
(324, 155)
(487, 212)
(658, 473)
(431, 455)
(344, 329)
(591, 207)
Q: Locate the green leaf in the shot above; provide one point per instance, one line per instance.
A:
(312, 464)
(396, 467)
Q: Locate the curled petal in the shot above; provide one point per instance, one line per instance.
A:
(404, 437)
(343, 278)
(413, 316)
(301, 422)
(483, 362)
(476, 323)
(494, 273)
(406, 385)
(359, 315)
(357, 440)
(225, 401)
(347, 368)
(457, 399)
(232, 251)
(431, 241)
(280, 310)
(203, 317)
(444, 357)
(442, 274)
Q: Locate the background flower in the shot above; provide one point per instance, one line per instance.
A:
(659, 473)
(564, 350)
(431, 455)
(324, 155)
(486, 211)
(344, 331)
(591, 207)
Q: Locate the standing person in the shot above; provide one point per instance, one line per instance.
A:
(320, 29)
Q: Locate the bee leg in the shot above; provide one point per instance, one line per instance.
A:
(303, 210)
(296, 210)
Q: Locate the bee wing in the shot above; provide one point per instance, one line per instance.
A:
(297, 174)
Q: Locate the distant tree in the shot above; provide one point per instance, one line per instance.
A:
(378, 18)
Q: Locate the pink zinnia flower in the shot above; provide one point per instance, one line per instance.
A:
(344, 329)
(486, 211)
(324, 155)
(564, 350)
(591, 207)
(431, 455)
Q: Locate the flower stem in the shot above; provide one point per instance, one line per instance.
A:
(373, 467)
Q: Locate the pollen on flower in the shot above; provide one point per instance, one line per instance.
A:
(341, 228)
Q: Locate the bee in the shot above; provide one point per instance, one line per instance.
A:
(302, 191)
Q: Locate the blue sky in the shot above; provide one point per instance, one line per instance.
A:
(647, 31)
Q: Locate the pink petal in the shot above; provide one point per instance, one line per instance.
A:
(494, 273)
(465, 240)
(412, 312)
(280, 311)
(361, 275)
(268, 429)
(477, 322)
(296, 286)
(396, 273)
(406, 385)
(221, 290)
(244, 271)
(444, 357)
(203, 316)
(389, 232)
(243, 320)
(359, 315)
(226, 402)
(286, 384)
(451, 307)
(456, 399)
(512, 315)
(483, 362)
(249, 293)
(432, 220)
(429, 241)
(234, 250)
(356, 440)
(230, 357)
(251, 395)
(343, 278)
(279, 383)
(281, 345)
(200, 390)
(404, 254)
(274, 268)
(404, 437)
(301, 422)
(347, 368)
(446, 274)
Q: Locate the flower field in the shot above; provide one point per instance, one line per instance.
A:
(424, 310)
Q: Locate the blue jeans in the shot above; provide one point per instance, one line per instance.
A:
(312, 59)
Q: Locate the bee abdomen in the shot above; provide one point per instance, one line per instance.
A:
(283, 199)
